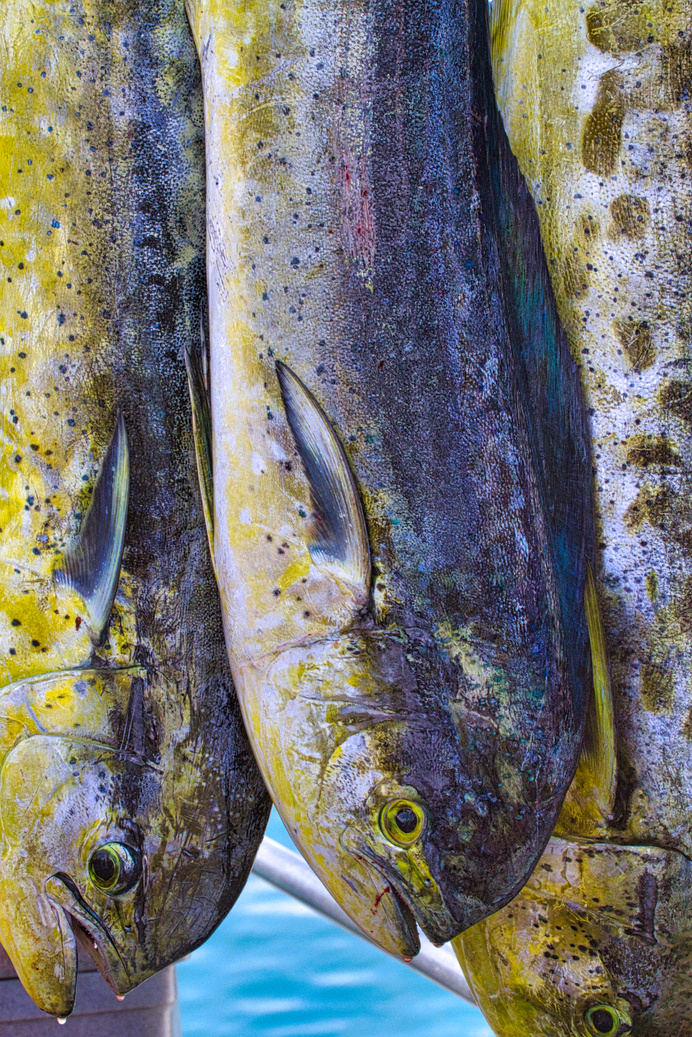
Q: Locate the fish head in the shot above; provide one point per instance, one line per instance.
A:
(596, 945)
(134, 860)
(409, 798)
(372, 781)
(66, 857)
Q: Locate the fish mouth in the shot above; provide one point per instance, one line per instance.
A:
(437, 929)
(389, 923)
(404, 922)
(91, 931)
(370, 901)
(438, 923)
(373, 902)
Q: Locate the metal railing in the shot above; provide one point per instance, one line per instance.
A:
(287, 870)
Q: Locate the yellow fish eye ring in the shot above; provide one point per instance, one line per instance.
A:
(402, 822)
(115, 868)
(603, 1020)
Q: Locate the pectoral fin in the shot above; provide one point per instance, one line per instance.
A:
(599, 754)
(91, 567)
(338, 537)
(592, 793)
(198, 385)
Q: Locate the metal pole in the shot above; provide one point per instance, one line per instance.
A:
(287, 870)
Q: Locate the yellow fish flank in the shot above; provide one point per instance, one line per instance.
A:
(596, 101)
(114, 795)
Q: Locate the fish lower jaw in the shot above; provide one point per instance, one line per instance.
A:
(439, 925)
(398, 935)
(91, 938)
(91, 946)
(51, 989)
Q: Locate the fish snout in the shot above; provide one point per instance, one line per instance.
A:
(39, 941)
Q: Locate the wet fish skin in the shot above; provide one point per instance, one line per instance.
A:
(118, 726)
(598, 927)
(608, 164)
(429, 651)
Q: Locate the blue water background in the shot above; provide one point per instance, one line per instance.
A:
(275, 968)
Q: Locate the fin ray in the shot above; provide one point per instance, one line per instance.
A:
(599, 754)
(590, 799)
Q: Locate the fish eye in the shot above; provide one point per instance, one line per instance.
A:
(603, 1020)
(115, 868)
(402, 821)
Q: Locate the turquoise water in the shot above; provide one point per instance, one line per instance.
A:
(275, 968)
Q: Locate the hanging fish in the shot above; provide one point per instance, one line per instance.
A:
(597, 944)
(130, 805)
(595, 99)
(401, 477)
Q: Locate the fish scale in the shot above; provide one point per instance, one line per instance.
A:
(401, 536)
(596, 100)
(119, 724)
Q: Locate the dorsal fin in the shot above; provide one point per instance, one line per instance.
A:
(198, 385)
(91, 567)
(338, 537)
(591, 795)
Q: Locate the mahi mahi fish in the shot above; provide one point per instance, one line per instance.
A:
(401, 473)
(130, 805)
(596, 98)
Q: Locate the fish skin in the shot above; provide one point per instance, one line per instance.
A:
(381, 279)
(623, 290)
(129, 734)
(597, 924)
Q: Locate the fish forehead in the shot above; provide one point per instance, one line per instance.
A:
(603, 231)
(54, 793)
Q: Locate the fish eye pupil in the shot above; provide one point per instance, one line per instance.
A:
(115, 868)
(603, 1020)
(103, 866)
(402, 822)
(406, 820)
